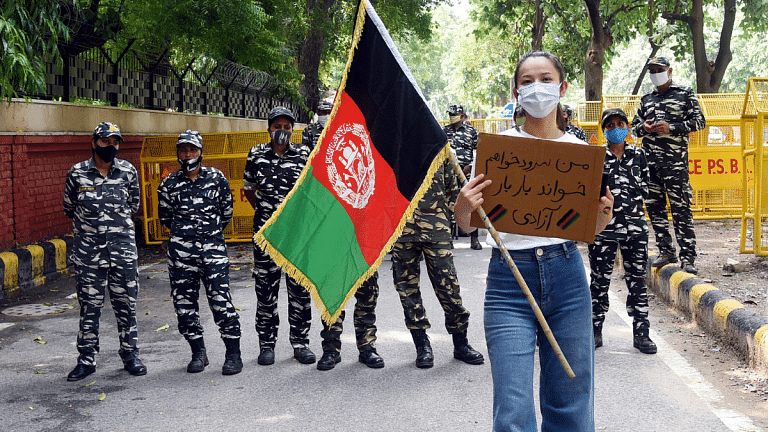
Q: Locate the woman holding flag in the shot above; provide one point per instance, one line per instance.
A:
(554, 272)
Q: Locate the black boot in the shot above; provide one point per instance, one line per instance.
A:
(233, 364)
(424, 357)
(474, 242)
(598, 331)
(199, 358)
(463, 351)
(643, 343)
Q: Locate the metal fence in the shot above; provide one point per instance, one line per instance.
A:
(226, 151)
(148, 80)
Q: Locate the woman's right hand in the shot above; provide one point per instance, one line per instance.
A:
(470, 198)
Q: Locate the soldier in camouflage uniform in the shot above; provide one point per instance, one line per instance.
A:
(270, 173)
(100, 195)
(664, 119)
(312, 132)
(365, 330)
(195, 204)
(463, 140)
(572, 128)
(428, 232)
(626, 170)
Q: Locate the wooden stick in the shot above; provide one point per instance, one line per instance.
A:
(518, 277)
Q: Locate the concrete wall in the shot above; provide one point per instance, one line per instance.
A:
(47, 117)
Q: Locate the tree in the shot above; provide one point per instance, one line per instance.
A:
(29, 31)
(322, 25)
(607, 26)
(710, 73)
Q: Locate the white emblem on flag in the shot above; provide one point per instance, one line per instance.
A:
(350, 164)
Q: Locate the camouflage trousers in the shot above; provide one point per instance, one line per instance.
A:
(672, 183)
(120, 278)
(267, 281)
(189, 263)
(365, 320)
(634, 253)
(406, 270)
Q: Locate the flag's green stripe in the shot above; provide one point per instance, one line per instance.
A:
(314, 216)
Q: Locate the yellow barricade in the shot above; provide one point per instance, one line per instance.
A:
(226, 151)
(754, 156)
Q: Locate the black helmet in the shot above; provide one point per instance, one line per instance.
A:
(280, 112)
(455, 109)
(324, 106)
(613, 112)
(190, 136)
(106, 130)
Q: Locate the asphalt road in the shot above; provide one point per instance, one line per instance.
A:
(634, 392)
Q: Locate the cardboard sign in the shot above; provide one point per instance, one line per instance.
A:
(540, 187)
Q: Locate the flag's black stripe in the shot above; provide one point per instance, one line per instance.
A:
(402, 127)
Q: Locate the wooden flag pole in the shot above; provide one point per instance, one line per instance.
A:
(518, 277)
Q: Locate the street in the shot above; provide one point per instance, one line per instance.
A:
(634, 391)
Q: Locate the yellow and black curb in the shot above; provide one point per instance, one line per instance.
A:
(715, 311)
(33, 265)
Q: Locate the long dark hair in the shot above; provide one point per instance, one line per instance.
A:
(561, 121)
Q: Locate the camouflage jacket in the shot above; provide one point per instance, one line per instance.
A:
(101, 207)
(463, 141)
(576, 131)
(272, 177)
(311, 134)
(195, 209)
(431, 220)
(679, 107)
(628, 181)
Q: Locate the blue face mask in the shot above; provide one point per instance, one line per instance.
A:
(616, 135)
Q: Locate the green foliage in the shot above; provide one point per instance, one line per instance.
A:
(29, 32)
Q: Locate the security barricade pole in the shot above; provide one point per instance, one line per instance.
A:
(518, 277)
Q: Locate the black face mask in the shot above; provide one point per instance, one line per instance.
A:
(190, 165)
(281, 136)
(107, 154)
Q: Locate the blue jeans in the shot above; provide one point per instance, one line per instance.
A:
(555, 276)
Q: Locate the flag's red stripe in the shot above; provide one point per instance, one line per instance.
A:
(374, 223)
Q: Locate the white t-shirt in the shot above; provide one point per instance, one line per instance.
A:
(517, 241)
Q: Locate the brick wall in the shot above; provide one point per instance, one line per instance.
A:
(32, 173)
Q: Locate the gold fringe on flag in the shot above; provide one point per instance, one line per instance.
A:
(283, 262)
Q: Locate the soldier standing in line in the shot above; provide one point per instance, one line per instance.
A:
(100, 195)
(428, 233)
(463, 139)
(312, 132)
(365, 330)
(572, 128)
(664, 119)
(626, 171)
(195, 204)
(365, 296)
(270, 173)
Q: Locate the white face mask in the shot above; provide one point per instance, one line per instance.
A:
(539, 99)
(454, 119)
(659, 79)
(322, 119)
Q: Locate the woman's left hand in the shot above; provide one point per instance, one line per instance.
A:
(604, 211)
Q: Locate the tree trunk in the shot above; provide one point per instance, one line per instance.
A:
(709, 75)
(538, 28)
(320, 13)
(599, 42)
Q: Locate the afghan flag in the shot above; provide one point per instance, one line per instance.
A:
(373, 163)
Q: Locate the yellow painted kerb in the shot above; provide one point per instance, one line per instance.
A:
(723, 308)
(61, 254)
(38, 261)
(760, 357)
(11, 262)
(674, 284)
(697, 292)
